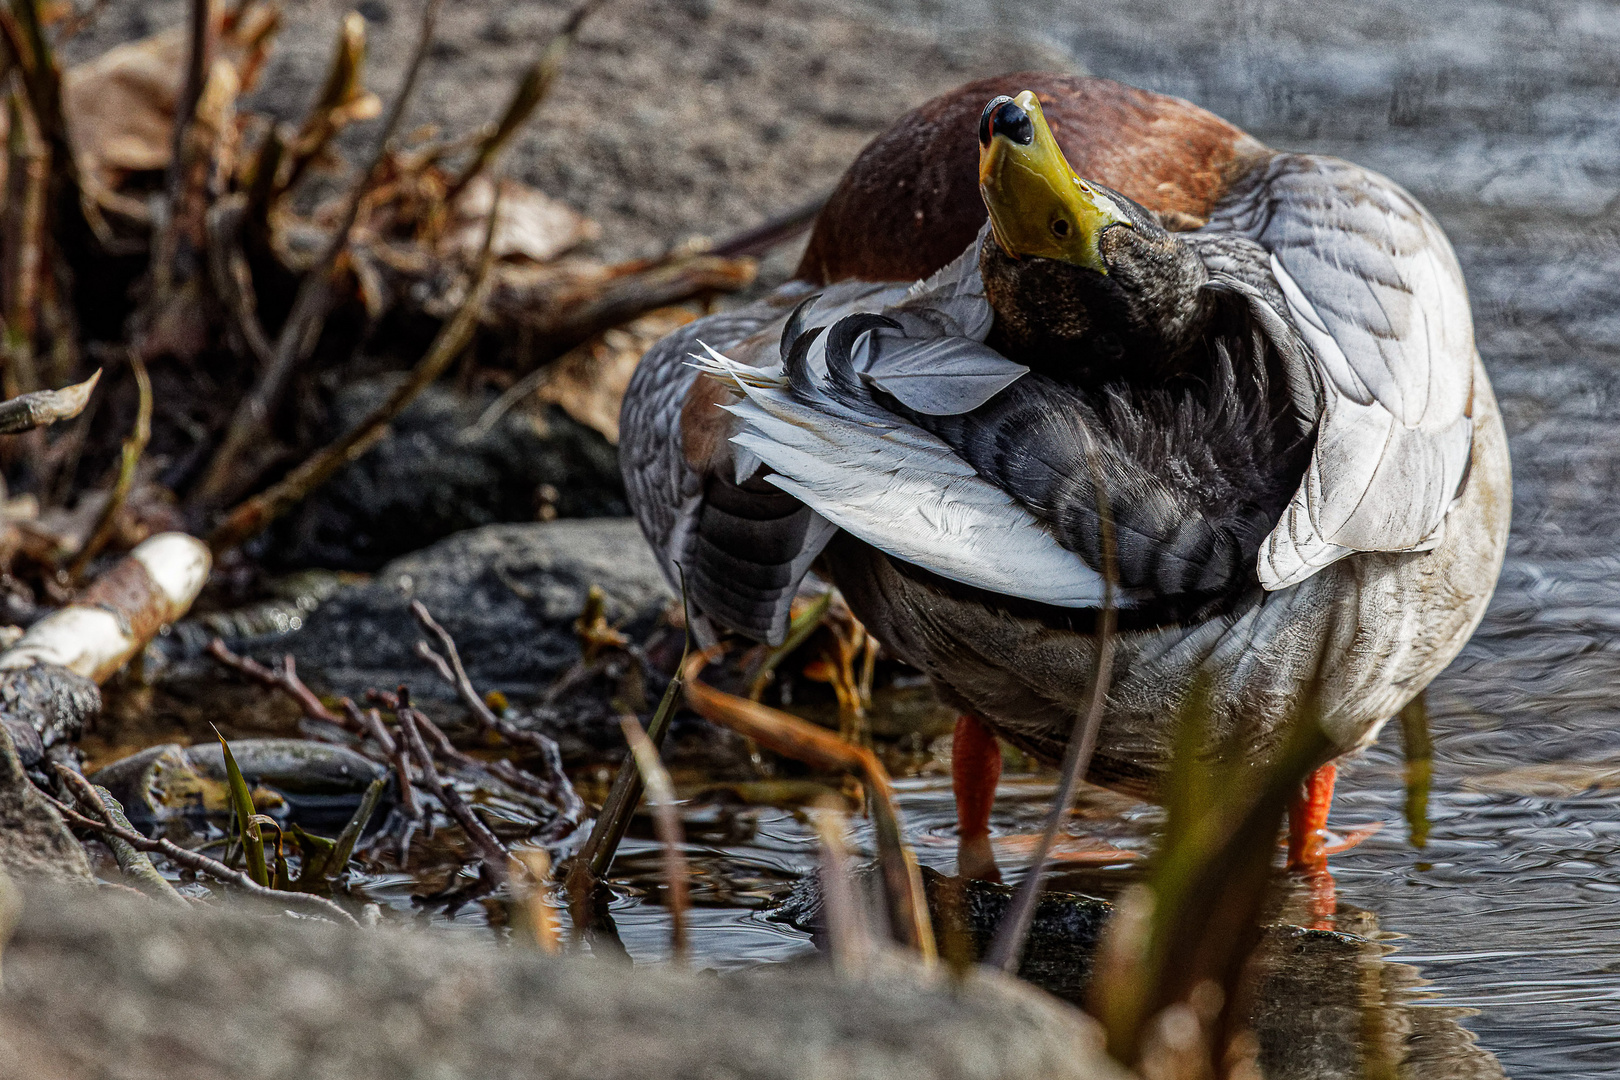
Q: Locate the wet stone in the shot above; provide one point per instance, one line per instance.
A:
(508, 594)
(428, 479)
(317, 785)
(42, 706)
(34, 841)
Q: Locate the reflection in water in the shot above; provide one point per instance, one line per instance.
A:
(1328, 1004)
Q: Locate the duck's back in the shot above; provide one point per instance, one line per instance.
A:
(910, 203)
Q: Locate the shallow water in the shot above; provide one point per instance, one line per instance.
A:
(1505, 120)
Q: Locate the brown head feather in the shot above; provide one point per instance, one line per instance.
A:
(910, 203)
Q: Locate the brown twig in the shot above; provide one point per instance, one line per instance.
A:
(287, 681)
(30, 411)
(199, 46)
(557, 786)
(370, 722)
(490, 849)
(193, 860)
(22, 242)
(503, 771)
(304, 323)
(770, 232)
(230, 276)
(250, 517)
(130, 461)
(667, 821)
(821, 749)
(334, 103)
(530, 91)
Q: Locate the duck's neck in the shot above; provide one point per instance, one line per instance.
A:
(1090, 329)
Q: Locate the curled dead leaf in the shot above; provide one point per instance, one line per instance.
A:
(531, 225)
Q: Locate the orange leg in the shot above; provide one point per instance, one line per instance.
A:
(1307, 843)
(975, 771)
(1307, 820)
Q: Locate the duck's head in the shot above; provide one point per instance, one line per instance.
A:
(1082, 279)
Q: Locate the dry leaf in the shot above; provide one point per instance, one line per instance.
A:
(531, 225)
(589, 382)
(120, 106)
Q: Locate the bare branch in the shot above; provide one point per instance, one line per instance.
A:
(43, 407)
(198, 862)
(250, 517)
(303, 326)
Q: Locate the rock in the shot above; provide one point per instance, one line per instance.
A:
(34, 841)
(1326, 1004)
(509, 594)
(114, 985)
(318, 784)
(425, 480)
(44, 705)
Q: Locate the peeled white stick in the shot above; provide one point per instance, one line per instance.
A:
(120, 612)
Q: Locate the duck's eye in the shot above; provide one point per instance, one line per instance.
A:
(1060, 228)
(1002, 117)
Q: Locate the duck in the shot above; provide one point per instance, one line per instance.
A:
(1063, 353)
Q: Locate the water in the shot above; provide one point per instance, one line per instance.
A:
(1505, 120)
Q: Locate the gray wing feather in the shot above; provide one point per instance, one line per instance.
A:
(1373, 287)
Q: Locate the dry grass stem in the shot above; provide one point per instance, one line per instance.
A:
(849, 938)
(537, 906)
(1008, 947)
(129, 462)
(798, 739)
(667, 822)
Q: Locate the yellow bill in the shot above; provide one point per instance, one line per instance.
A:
(1038, 206)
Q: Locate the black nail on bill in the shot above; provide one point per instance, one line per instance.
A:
(1002, 117)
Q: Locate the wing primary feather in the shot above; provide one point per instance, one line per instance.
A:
(795, 323)
(840, 349)
(797, 363)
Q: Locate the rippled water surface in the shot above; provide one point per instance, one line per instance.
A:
(1505, 120)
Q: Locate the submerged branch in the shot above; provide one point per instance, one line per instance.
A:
(196, 861)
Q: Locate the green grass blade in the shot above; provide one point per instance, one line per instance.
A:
(242, 807)
(343, 847)
(1419, 768)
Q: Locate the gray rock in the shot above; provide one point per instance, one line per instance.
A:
(509, 594)
(319, 784)
(44, 705)
(115, 986)
(34, 842)
(425, 480)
